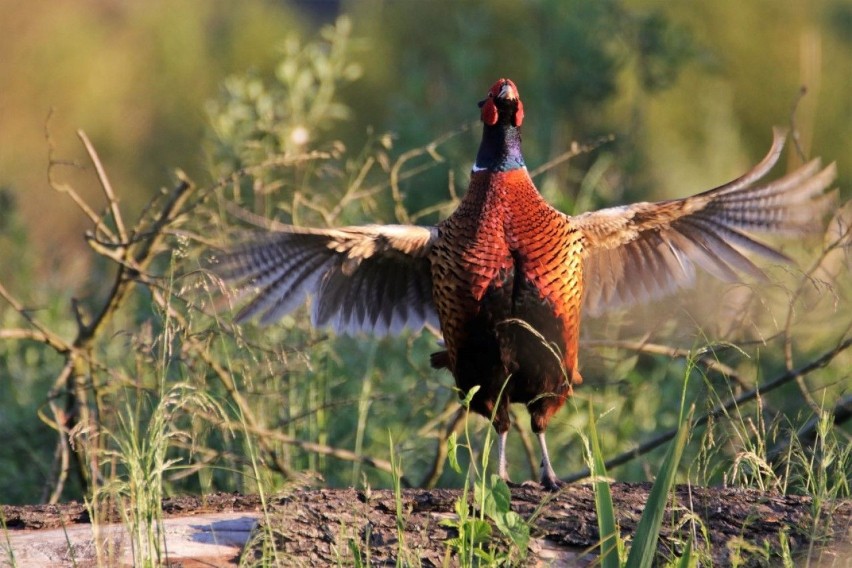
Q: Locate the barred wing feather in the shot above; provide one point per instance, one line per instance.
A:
(374, 278)
(641, 252)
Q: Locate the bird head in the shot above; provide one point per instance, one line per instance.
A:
(502, 102)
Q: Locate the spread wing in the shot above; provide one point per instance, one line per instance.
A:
(640, 252)
(374, 278)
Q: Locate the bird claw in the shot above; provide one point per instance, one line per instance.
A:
(552, 484)
(529, 484)
(545, 484)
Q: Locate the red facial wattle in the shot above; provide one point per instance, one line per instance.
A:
(503, 89)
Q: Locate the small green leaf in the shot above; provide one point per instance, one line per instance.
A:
(469, 396)
(452, 452)
(480, 530)
(513, 526)
(501, 494)
(461, 508)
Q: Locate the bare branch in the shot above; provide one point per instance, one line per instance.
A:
(575, 150)
(106, 185)
(808, 279)
(458, 415)
(720, 410)
(60, 187)
(705, 359)
(41, 334)
(395, 176)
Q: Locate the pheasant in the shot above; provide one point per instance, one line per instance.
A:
(506, 277)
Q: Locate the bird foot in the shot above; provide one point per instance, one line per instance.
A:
(528, 484)
(552, 483)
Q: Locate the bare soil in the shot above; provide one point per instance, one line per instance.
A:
(327, 526)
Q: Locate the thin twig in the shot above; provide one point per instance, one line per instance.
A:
(719, 410)
(402, 215)
(106, 185)
(711, 363)
(41, 334)
(575, 150)
(60, 187)
(788, 324)
(437, 468)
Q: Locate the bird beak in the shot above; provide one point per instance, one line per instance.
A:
(508, 92)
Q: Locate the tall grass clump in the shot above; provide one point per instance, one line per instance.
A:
(139, 455)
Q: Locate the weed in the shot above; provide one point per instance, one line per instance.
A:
(475, 544)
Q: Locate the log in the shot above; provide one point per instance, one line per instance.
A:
(333, 526)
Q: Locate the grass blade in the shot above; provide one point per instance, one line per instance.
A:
(648, 532)
(603, 501)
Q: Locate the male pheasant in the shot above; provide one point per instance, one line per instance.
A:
(507, 276)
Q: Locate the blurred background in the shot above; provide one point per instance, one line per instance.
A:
(685, 95)
(690, 90)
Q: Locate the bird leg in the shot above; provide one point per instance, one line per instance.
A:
(502, 469)
(548, 476)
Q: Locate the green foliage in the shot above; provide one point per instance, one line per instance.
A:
(475, 544)
(255, 121)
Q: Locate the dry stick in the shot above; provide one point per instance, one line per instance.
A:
(575, 150)
(79, 357)
(352, 190)
(44, 335)
(140, 255)
(448, 204)
(210, 455)
(83, 365)
(434, 473)
(41, 333)
(719, 410)
(317, 448)
(105, 185)
(65, 188)
(395, 177)
(62, 457)
(788, 324)
(672, 352)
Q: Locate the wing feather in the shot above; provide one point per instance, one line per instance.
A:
(643, 251)
(374, 278)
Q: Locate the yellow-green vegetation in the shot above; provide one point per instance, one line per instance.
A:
(123, 377)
